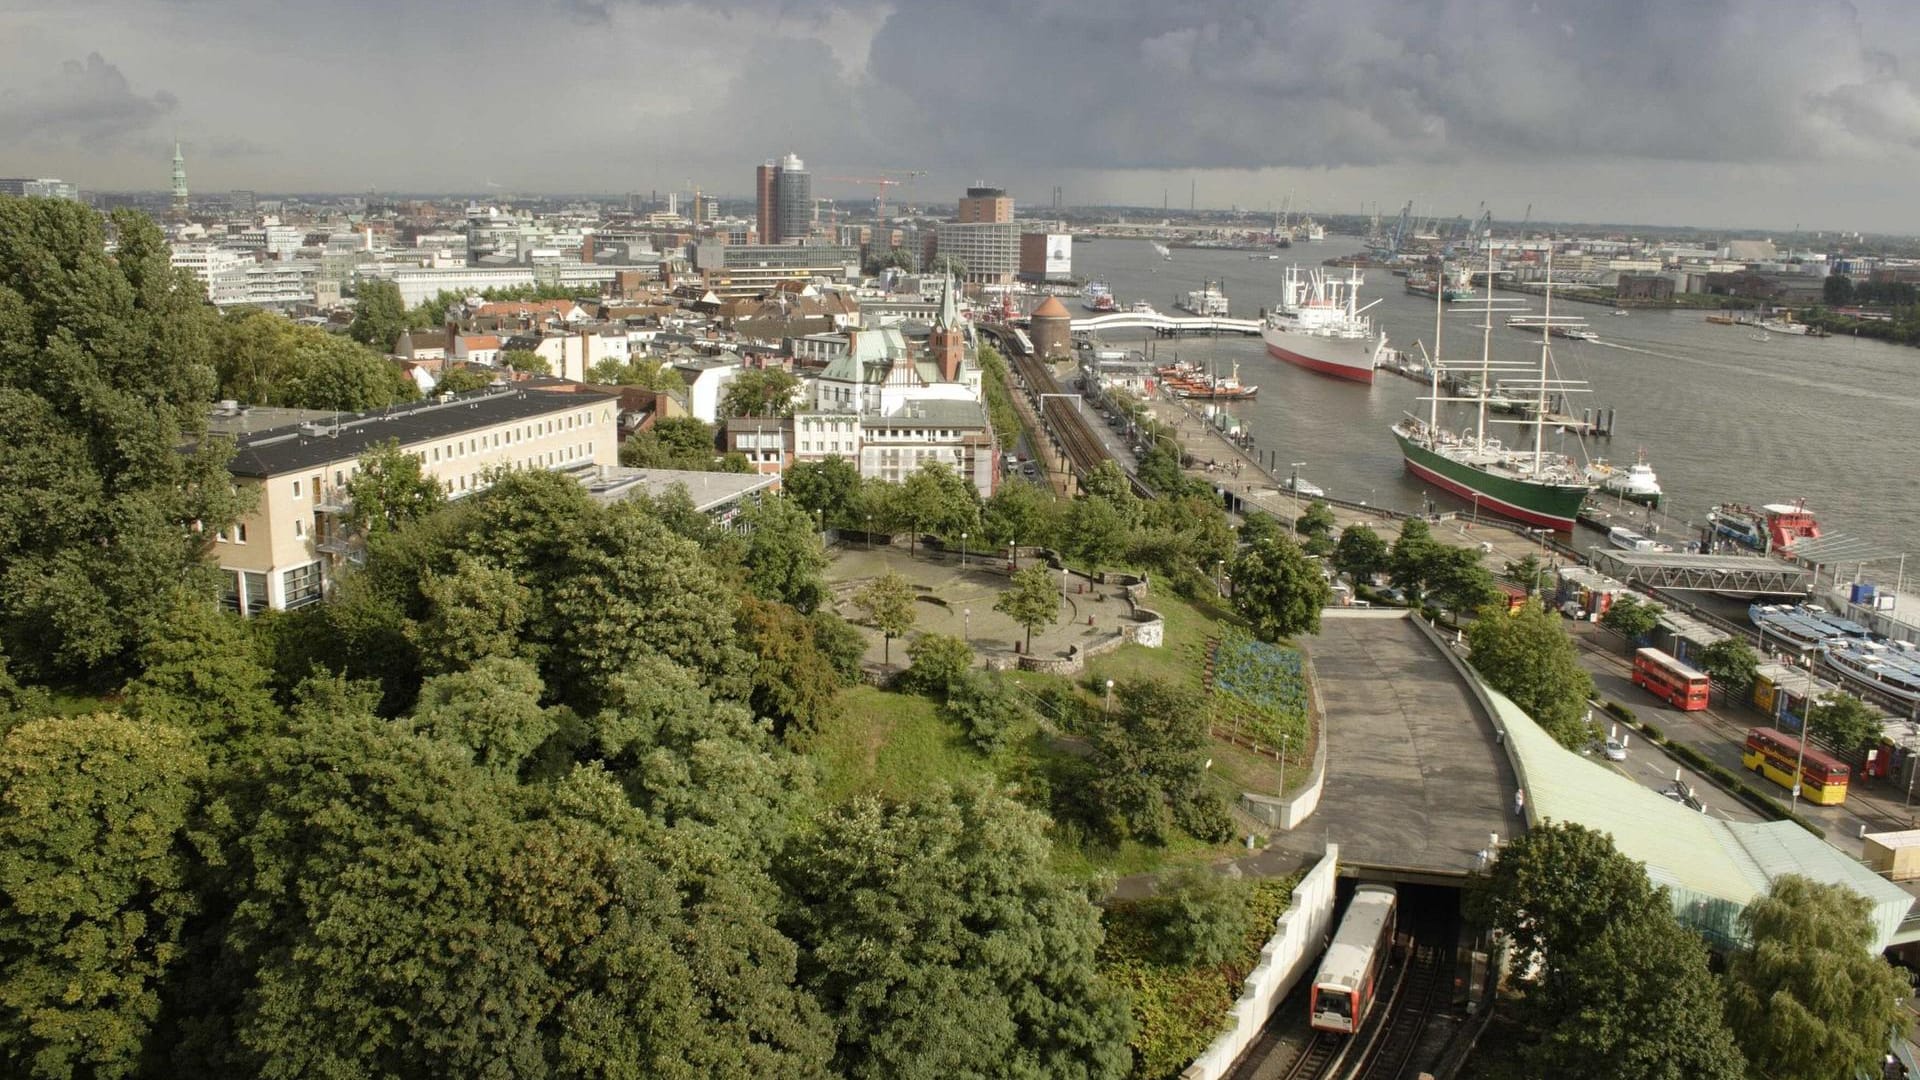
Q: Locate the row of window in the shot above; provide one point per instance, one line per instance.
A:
(468, 482)
(245, 591)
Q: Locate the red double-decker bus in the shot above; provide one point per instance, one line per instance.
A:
(1670, 680)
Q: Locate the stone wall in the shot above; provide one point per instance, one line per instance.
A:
(1289, 812)
(1298, 934)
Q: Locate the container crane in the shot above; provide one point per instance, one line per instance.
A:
(881, 183)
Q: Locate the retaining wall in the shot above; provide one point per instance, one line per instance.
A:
(1299, 933)
(1287, 813)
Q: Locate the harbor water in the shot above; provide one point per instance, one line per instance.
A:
(1721, 417)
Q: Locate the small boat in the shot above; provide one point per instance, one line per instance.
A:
(1721, 320)
(1162, 250)
(1306, 488)
(1636, 483)
(1099, 297)
(1620, 313)
(1141, 307)
(1207, 301)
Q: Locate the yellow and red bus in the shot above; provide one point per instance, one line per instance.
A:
(1771, 753)
(1670, 680)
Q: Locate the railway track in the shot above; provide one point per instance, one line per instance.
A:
(1424, 978)
(1062, 416)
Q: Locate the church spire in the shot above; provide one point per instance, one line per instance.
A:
(949, 310)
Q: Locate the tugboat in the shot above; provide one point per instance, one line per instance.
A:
(1636, 483)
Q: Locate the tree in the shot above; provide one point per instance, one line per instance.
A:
(839, 643)
(461, 379)
(1837, 290)
(379, 315)
(887, 603)
(673, 442)
(948, 265)
(267, 359)
(1637, 1002)
(760, 392)
(1278, 590)
(1316, 526)
(1809, 996)
(1527, 656)
(1527, 573)
(1458, 580)
(1412, 555)
(199, 674)
(390, 488)
(936, 499)
(1844, 722)
(525, 360)
(1033, 601)
(795, 684)
(1093, 533)
(491, 710)
(937, 662)
(107, 366)
(1554, 888)
(1107, 481)
(783, 558)
(19, 703)
(989, 709)
(474, 610)
(942, 943)
(829, 487)
(1632, 618)
(1199, 917)
(94, 822)
(1149, 765)
(1360, 554)
(1020, 513)
(1732, 663)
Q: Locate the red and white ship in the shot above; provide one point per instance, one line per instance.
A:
(1319, 325)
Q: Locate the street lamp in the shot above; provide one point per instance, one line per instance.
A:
(1293, 484)
(1284, 740)
(821, 517)
(869, 532)
(966, 622)
(963, 548)
(1013, 555)
(1109, 697)
(1806, 713)
(1220, 576)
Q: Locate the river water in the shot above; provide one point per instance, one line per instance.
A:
(1720, 416)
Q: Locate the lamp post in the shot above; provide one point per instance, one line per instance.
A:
(963, 548)
(966, 623)
(1109, 697)
(869, 532)
(1293, 485)
(1013, 555)
(1806, 710)
(1220, 576)
(1285, 738)
(821, 517)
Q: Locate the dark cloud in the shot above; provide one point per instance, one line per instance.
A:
(87, 103)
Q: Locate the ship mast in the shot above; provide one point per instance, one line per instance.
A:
(1486, 341)
(1433, 402)
(1540, 406)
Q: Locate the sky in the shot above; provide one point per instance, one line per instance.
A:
(1721, 113)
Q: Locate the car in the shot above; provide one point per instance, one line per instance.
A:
(1029, 469)
(1613, 750)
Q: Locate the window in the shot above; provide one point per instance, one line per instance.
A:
(230, 590)
(253, 584)
(301, 585)
(317, 480)
(299, 527)
(239, 532)
(339, 477)
(296, 489)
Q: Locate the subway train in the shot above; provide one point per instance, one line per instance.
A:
(1349, 976)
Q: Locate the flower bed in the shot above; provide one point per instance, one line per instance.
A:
(1266, 686)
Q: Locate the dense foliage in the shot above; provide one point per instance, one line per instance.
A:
(265, 359)
(1278, 589)
(1527, 655)
(107, 367)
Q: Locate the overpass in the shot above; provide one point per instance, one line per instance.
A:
(1680, 572)
(1167, 325)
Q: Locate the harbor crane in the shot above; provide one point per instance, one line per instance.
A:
(886, 179)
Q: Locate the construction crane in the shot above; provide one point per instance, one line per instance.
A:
(881, 183)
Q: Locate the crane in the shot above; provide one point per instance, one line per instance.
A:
(886, 179)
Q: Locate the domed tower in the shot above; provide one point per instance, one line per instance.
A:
(1052, 330)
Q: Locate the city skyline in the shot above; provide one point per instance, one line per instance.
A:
(1717, 115)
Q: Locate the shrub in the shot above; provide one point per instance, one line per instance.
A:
(937, 662)
(1199, 917)
(990, 711)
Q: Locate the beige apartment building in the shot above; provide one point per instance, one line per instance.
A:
(285, 553)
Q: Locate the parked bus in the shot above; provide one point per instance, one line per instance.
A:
(1771, 753)
(1670, 680)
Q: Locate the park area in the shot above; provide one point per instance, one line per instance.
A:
(895, 743)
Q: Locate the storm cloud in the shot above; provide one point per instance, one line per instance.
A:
(1615, 107)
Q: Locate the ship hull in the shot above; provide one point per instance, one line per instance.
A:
(1342, 358)
(1547, 506)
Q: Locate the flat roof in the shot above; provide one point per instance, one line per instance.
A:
(301, 446)
(708, 490)
(248, 419)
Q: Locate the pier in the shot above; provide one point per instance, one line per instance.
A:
(1164, 325)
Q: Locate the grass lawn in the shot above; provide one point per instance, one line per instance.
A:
(77, 703)
(891, 744)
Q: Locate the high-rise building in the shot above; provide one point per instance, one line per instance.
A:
(240, 201)
(179, 182)
(793, 189)
(985, 205)
(989, 250)
(766, 210)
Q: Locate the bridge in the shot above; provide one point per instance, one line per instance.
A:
(1167, 325)
(1681, 572)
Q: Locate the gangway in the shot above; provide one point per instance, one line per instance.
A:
(1680, 572)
